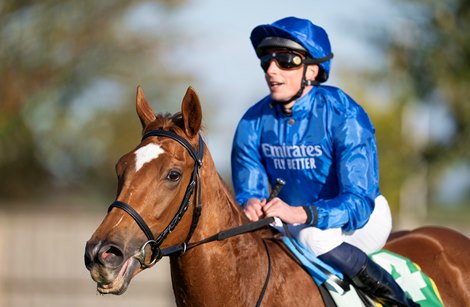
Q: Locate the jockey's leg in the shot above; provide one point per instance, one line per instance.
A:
(367, 275)
(347, 252)
(374, 234)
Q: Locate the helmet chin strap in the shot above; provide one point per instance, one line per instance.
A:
(304, 83)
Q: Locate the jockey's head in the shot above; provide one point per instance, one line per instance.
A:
(295, 42)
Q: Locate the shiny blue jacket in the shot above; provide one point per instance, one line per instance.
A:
(326, 152)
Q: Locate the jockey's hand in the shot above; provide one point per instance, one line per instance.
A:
(288, 214)
(253, 209)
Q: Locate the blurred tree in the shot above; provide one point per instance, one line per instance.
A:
(68, 73)
(428, 73)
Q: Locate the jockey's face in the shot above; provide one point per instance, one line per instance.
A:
(285, 83)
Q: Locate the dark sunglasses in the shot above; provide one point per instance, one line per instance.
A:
(284, 60)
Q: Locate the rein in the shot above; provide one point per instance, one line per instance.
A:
(182, 248)
(155, 243)
(235, 231)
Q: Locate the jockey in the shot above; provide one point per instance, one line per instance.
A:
(322, 144)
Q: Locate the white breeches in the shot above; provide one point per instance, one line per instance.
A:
(370, 238)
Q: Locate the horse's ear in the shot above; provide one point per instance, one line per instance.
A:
(144, 110)
(192, 112)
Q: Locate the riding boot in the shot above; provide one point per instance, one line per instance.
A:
(380, 285)
(367, 275)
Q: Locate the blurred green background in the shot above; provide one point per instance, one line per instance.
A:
(68, 75)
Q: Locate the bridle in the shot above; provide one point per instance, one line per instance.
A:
(194, 183)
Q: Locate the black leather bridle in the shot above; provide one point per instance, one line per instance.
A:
(153, 242)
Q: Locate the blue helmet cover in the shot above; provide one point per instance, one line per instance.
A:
(312, 37)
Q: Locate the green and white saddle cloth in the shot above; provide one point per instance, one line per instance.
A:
(409, 276)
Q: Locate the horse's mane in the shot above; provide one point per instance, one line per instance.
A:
(171, 122)
(167, 121)
(228, 192)
(230, 195)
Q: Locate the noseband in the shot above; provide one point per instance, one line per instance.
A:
(155, 243)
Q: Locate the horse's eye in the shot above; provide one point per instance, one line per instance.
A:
(174, 175)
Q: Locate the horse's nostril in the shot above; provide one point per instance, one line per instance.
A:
(111, 256)
(91, 249)
(88, 262)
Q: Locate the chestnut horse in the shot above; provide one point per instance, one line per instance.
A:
(169, 187)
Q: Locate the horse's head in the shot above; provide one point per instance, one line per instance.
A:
(156, 183)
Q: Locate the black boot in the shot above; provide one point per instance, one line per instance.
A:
(380, 285)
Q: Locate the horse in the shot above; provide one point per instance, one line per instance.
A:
(169, 188)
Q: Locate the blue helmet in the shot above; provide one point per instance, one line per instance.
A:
(297, 34)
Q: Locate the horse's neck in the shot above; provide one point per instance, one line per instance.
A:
(215, 264)
(205, 275)
(219, 208)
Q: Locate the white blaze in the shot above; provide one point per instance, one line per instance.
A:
(146, 154)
